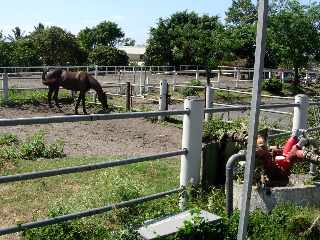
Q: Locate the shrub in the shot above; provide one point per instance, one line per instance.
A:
(8, 139)
(272, 85)
(190, 91)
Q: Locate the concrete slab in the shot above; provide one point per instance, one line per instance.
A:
(169, 225)
(300, 195)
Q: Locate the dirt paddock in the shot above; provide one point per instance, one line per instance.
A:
(127, 137)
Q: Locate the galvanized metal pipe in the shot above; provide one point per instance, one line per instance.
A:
(191, 140)
(89, 167)
(87, 213)
(92, 117)
(229, 179)
(243, 108)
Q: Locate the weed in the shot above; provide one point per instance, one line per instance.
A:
(191, 91)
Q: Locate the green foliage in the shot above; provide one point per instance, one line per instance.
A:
(190, 91)
(186, 38)
(35, 147)
(199, 228)
(241, 12)
(125, 189)
(8, 139)
(11, 149)
(68, 230)
(105, 33)
(294, 33)
(108, 56)
(216, 128)
(272, 85)
(55, 46)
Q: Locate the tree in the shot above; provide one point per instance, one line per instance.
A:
(241, 12)
(185, 38)
(108, 56)
(128, 42)
(58, 47)
(24, 53)
(240, 19)
(17, 34)
(295, 34)
(105, 33)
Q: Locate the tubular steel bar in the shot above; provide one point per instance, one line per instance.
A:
(254, 117)
(87, 213)
(243, 108)
(86, 168)
(93, 117)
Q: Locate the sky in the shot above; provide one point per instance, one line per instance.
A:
(135, 17)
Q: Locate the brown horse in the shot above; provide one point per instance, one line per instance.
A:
(74, 81)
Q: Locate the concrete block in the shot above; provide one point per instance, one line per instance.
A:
(169, 225)
(266, 201)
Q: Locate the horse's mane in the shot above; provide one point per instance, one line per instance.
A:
(51, 76)
(94, 84)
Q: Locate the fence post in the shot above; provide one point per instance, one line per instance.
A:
(5, 87)
(238, 77)
(300, 117)
(282, 76)
(95, 71)
(209, 101)
(197, 75)
(174, 82)
(300, 113)
(147, 83)
(192, 141)
(141, 86)
(163, 104)
(128, 97)
(270, 74)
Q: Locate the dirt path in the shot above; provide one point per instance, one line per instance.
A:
(129, 137)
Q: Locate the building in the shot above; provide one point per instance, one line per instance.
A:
(135, 54)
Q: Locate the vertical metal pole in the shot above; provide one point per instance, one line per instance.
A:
(254, 117)
(300, 117)
(163, 105)
(238, 77)
(192, 141)
(174, 81)
(219, 75)
(128, 97)
(209, 101)
(270, 74)
(147, 84)
(141, 87)
(282, 76)
(197, 75)
(300, 113)
(5, 87)
(95, 71)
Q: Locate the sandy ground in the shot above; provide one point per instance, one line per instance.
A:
(128, 137)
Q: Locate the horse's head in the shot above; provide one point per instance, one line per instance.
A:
(50, 77)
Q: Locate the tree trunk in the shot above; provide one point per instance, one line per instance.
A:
(296, 76)
(208, 76)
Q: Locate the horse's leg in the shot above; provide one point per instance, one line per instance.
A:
(55, 97)
(49, 97)
(77, 104)
(83, 97)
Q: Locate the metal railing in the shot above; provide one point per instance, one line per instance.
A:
(191, 147)
(89, 167)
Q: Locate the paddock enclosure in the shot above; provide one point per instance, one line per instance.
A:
(131, 137)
